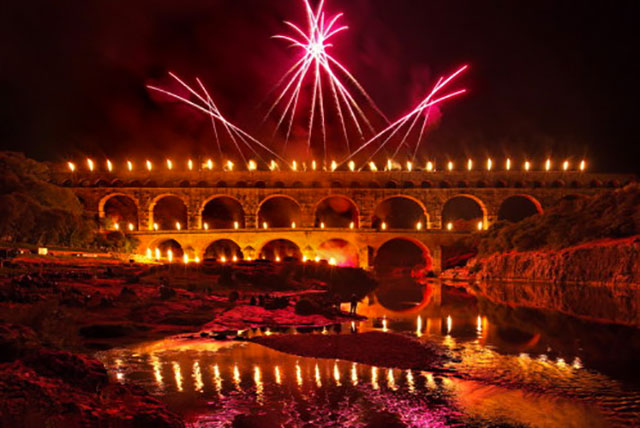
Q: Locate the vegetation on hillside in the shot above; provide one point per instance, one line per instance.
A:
(34, 211)
(573, 220)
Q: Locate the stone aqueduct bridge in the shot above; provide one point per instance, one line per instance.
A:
(366, 191)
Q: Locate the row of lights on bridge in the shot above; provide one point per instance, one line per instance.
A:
(265, 226)
(157, 256)
(295, 166)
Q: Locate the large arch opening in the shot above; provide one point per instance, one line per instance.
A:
(400, 212)
(517, 208)
(120, 213)
(280, 249)
(223, 212)
(170, 247)
(339, 252)
(223, 249)
(169, 213)
(279, 212)
(401, 254)
(463, 213)
(336, 212)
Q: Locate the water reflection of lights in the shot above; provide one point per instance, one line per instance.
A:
(354, 374)
(317, 376)
(429, 381)
(278, 377)
(157, 371)
(217, 379)
(236, 377)
(298, 374)
(177, 374)
(561, 363)
(374, 378)
(391, 380)
(410, 382)
(257, 378)
(197, 377)
(336, 374)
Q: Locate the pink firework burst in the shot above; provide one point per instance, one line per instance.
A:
(318, 68)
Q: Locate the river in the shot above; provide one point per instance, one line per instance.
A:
(511, 367)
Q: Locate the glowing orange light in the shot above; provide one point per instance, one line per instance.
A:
(277, 259)
(197, 260)
(130, 165)
(210, 165)
(223, 259)
(321, 225)
(109, 165)
(157, 253)
(131, 226)
(419, 225)
(90, 164)
(273, 165)
(314, 165)
(293, 225)
(206, 226)
(72, 166)
(316, 259)
(149, 253)
(155, 226)
(383, 226)
(449, 324)
(373, 167)
(235, 259)
(409, 166)
(185, 259)
(389, 165)
(565, 166)
(450, 166)
(149, 165)
(449, 226)
(169, 164)
(190, 165)
(178, 225)
(294, 166)
(116, 226)
(469, 164)
(229, 166)
(170, 256)
(430, 166)
(489, 164)
(252, 165)
(352, 225)
(352, 166)
(583, 165)
(332, 261)
(236, 225)
(527, 166)
(547, 165)
(265, 225)
(304, 259)
(508, 166)
(480, 225)
(334, 166)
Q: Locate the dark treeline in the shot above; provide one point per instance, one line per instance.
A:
(34, 211)
(573, 220)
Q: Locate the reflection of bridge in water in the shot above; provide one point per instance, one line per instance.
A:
(362, 211)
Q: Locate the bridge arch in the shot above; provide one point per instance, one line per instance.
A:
(402, 253)
(400, 212)
(167, 211)
(341, 251)
(518, 207)
(279, 211)
(226, 248)
(279, 249)
(164, 245)
(119, 208)
(222, 212)
(337, 211)
(463, 212)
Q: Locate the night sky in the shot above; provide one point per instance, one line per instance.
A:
(547, 77)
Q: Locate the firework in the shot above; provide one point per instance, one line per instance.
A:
(413, 118)
(204, 103)
(319, 68)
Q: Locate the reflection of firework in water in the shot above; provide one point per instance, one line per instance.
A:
(317, 66)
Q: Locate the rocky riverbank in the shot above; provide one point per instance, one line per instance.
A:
(598, 280)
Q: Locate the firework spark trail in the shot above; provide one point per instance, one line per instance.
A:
(315, 65)
(208, 107)
(424, 106)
